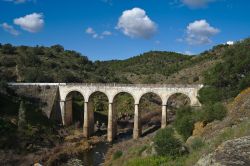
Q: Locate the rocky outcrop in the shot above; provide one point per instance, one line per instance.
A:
(198, 128)
(238, 111)
(234, 152)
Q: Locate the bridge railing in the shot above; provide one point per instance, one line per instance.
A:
(35, 84)
(110, 85)
(136, 85)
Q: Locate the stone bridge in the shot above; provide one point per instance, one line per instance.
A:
(164, 91)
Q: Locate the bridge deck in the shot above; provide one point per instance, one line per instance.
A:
(109, 85)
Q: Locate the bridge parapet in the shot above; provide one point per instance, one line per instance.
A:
(110, 85)
(134, 85)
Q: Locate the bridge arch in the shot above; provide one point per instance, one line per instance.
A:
(98, 103)
(64, 94)
(109, 97)
(150, 110)
(113, 96)
(74, 108)
(179, 95)
(123, 106)
(149, 92)
(191, 96)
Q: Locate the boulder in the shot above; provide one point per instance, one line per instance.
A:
(234, 152)
(198, 128)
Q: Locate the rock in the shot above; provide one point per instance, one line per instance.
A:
(207, 161)
(183, 150)
(198, 128)
(234, 152)
(74, 162)
(103, 127)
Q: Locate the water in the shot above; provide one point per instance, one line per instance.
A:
(95, 156)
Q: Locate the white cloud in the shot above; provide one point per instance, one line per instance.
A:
(95, 35)
(230, 42)
(90, 30)
(32, 23)
(17, 1)
(10, 29)
(200, 32)
(196, 3)
(106, 33)
(135, 23)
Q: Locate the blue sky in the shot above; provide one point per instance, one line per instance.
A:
(119, 29)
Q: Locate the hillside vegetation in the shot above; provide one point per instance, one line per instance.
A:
(54, 64)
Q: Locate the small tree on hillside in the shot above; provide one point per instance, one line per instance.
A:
(166, 144)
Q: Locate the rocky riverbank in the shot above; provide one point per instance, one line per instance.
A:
(73, 146)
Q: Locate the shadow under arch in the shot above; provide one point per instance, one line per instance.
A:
(150, 106)
(74, 109)
(123, 106)
(98, 109)
(175, 101)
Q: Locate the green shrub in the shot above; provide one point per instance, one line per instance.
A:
(117, 154)
(214, 112)
(150, 161)
(197, 143)
(209, 95)
(184, 122)
(185, 127)
(166, 144)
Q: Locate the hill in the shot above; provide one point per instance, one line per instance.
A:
(46, 64)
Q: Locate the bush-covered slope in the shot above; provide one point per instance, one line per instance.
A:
(54, 64)
(49, 64)
(230, 76)
(166, 67)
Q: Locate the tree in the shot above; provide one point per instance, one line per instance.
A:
(166, 144)
(184, 122)
(38, 50)
(213, 112)
(8, 49)
(57, 48)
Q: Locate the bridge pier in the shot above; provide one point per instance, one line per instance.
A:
(164, 117)
(86, 129)
(111, 124)
(68, 111)
(62, 106)
(137, 123)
